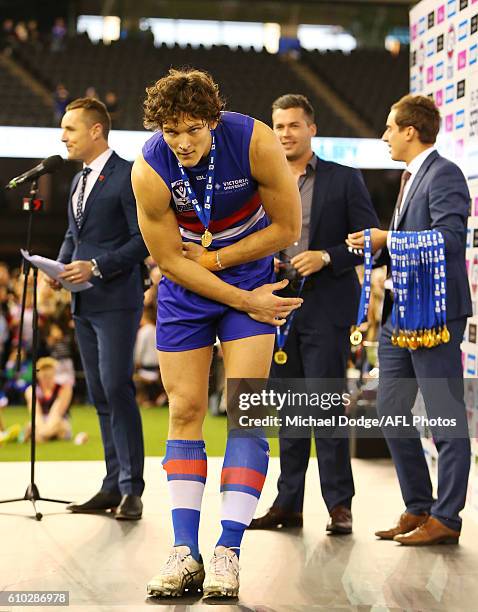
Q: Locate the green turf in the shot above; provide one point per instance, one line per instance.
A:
(155, 427)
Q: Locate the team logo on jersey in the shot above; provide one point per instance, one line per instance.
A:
(180, 197)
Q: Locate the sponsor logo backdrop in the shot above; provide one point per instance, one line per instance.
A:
(444, 66)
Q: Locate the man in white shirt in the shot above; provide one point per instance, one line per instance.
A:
(433, 195)
(408, 177)
(103, 245)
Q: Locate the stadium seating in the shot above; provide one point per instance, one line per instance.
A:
(19, 105)
(368, 80)
(249, 80)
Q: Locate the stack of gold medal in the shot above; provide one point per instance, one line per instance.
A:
(422, 338)
(419, 277)
(418, 265)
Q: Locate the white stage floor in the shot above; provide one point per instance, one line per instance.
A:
(105, 564)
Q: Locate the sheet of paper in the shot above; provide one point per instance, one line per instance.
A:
(53, 268)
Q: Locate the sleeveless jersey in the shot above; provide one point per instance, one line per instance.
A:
(46, 402)
(236, 205)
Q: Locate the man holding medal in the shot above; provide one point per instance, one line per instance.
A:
(420, 339)
(314, 343)
(215, 200)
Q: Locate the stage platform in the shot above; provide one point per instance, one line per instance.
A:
(105, 564)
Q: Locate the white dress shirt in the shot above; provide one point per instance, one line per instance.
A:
(96, 166)
(413, 167)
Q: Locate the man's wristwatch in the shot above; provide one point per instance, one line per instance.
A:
(325, 258)
(95, 269)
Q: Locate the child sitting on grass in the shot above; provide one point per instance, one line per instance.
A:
(53, 402)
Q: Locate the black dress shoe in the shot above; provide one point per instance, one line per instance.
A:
(276, 518)
(101, 502)
(130, 508)
(340, 521)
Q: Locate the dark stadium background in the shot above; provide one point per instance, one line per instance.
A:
(367, 81)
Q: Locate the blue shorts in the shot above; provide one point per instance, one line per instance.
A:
(187, 321)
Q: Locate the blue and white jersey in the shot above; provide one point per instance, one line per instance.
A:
(236, 205)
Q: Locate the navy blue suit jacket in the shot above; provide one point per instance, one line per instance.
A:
(341, 204)
(110, 234)
(439, 199)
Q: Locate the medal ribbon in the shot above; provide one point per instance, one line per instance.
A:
(425, 315)
(367, 279)
(203, 212)
(442, 268)
(419, 280)
(431, 315)
(398, 256)
(394, 269)
(415, 310)
(281, 336)
(401, 282)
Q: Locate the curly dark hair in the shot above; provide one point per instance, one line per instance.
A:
(182, 91)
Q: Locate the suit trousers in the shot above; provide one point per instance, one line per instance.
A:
(318, 349)
(438, 373)
(106, 341)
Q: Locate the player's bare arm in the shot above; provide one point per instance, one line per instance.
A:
(280, 199)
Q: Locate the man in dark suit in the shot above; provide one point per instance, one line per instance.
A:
(335, 202)
(103, 245)
(433, 195)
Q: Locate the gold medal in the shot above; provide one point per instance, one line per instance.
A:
(356, 337)
(393, 339)
(431, 339)
(280, 357)
(206, 239)
(402, 340)
(445, 335)
(412, 342)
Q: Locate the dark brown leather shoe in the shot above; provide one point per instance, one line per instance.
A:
(340, 521)
(406, 523)
(431, 532)
(276, 518)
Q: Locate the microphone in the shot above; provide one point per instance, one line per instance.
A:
(47, 166)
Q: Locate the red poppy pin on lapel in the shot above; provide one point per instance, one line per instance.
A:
(101, 177)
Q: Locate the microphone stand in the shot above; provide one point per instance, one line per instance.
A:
(31, 205)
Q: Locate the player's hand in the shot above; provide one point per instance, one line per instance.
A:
(308, 262)
(77, 272)
(266, 307)
(193, 251)
(378, 237)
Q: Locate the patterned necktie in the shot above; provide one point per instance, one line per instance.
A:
(398, 207)
(81, 195)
